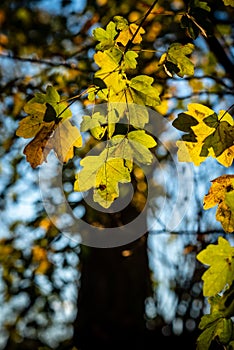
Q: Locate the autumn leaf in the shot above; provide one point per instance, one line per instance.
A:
(207, 135)
(47, 123)
(65, 137)
(221, 271)
(142, 92)
(105, 36)
(134, 147)
(127, 33)
(175, 60)
(221, 193)
(36, 151)
(103, 173)
(94, 123)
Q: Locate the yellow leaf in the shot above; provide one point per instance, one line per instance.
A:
(126, 35)
(191, 149)
(221, 193)
(64, 139)
(104, 174)
(30, 125)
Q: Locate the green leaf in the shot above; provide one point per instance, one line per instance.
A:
(30, 125)
(202, 4)
(121, 22)
(130, 59)
(221, 329)
(142, 92)
(228, 2)
(103, 173)
(94, 123)
(106, 37)
(221, 139)
(211, 136)
(177, 55)
(221, 271)
(184, 122)
(137, 115)
(134, 147)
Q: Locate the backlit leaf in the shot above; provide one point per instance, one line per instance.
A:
(104, 174)
(47, 123)
(94, 123)
(221, 271)
(105, 36)
(208, 135)
(142, 92)
(221, 193)
(127, 34)
(176, 59)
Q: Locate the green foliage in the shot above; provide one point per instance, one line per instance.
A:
(176, 60)
(206, 134)
(221, 271)
(48, 116)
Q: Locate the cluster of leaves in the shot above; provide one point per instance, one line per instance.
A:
(206, 134)
(210, 135)
(49, 126)
(219, 288)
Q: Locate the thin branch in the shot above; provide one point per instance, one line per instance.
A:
(42, 61)
(188, 232)
(140, 25)
(218, 93)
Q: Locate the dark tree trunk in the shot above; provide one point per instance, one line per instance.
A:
(111, 303)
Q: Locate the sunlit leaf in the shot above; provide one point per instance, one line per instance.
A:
(142, 92)
(221, 193)
(104, 174)
(130, 59)
(208, 135)
(134, 147)
(94, 123)
(127, 33)
(47, 123)
(105, 36)
(176, 60)
(220, 329)
(219, 258)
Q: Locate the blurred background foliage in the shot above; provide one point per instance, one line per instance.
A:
(56, 293)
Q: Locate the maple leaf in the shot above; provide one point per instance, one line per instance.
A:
(134, 147)
(175, 60)
(221, 271)
(221, 193)
(208, 135)
(105, 36)
(47, 123)
(103, 173)
(127, 31)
